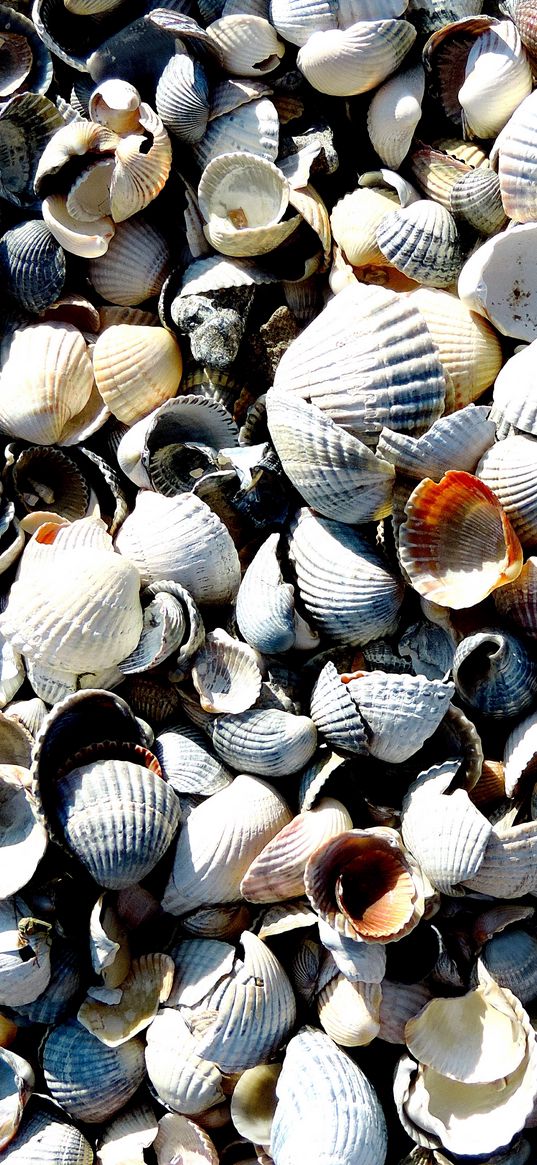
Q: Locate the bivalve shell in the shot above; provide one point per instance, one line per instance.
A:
(498, 281)
(509, 468)
(265, 741)
(182, 98)
(277, 873)
(400, 712)
(243, 198)
(446, 834)
(265, 609)
(248, 45)
(453, 442)
(469, 349)
(497, 79)
(46, 384)
(394, 114)
(89, 1080)
(495, 674)
(32, 265)
(182, 1079)
(421, 240)
(134, 266)
(136, 369)
(476, 197)
(46, 1137)
(344, 62)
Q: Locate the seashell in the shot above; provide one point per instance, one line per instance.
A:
(457, 442)
(359, 962)
(89, 1080)
(360, 391)
(32, 265)
(265, 741)
(315, 1071)
(509, 468)
(182, 540)
(134, 267)
(110, 954)
(76, 139)
(182, 98)
(11, 537)
(393, 115)
(27, 122)
(140, 172)
(344, 62)
(242, 198)
(400, 1002)
(335, 473)
(45, 1135)
(115, 104)
(23, 839)
(514, 404)
(26, 61)
(446, 834)
(494, 673)
(277, 873)
(349, 1012)
(514, 151)
(297, 20)
(436, 170)
(89, 197)
(520, 749)
(47, 479)
(188, 763)
(188, 418)
(354, 222)
(265, 611)
(421, 240)
(472, 363)
(136, 369)
(476, 197)
(253, 128)
(56, 1000)
(172, 623)
(46, 384)
(399, 712)
(497, 79)
(254, 1102)
(89, 240)
(226, 674)
(182, 1079)
(64, 617)
(200, 964)
(486, 282)
(127, 1135)
(25, 954)
(218, 922)
(337, 717)
(508, 867)
(510, 960)
(466, 530)
(17, 1085)
(179, 1135)
(346, 587)
(147, 984)
(248, 45)
(364, 885)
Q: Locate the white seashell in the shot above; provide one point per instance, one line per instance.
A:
(226, 674)
(394, 113)
(326, 1108)
(23, 838)
(297, 20)
(453, 442)
(180, 1137)
(509, 468)
(124, 1139)
(351, 11)
(515, 152)
(253, 128)
(487, 285)
(400, 1002)
(110, 955)
(446, 834)
(89, 197)
(349, 1012)
(142, 165)
(200, 964)
(514, 400)
(265, 741)
(86, 239)
(23, 979)
(248, 45)
(497, 79)
(219, 841)
(134, 268)
(182, 1079)
(509, 868)
(46, 384)
(359, 962)
(354, 221)
(116, 105)
(277, 873)
(18, 1081)
(520, 749)
(265, 609)
(343, 62)
(243, 199)
(400, 712)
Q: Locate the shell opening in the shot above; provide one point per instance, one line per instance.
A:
(374, 891)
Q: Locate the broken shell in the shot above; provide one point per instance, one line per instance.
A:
(399, 712)
(497, 78)
(254, 1102)
(343, 62)
(248, 45)
(454, 442)
(140, 170)
(86, 239)
(495, 674)
(179, 1135)
(486, 283)
(226, 674)
(147, 984)
(126, 1136)
(265, 609)
(32, 265)
(510, 960)
(115, 104)
(476, 197)
(516, 163)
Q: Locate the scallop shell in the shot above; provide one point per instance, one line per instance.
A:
(344, 62)
(486, 283)
(248, 45)
(134, 267)
(455, 527)
(243, 198)
(89, 240)
(253, 127)
(182, 1079)
(297, 20)
(446, 834)
(182, 98)
(89, 1080)
(361, 390)
(393, 115)
(509, 468)
(315, 1071)
(468, 347)
(277, 873)
(46, 384)
(454, 442)
(348, 590)
(400, 712)
(476, 197)
(219, 841)
(265, 741)
(421, 240)
(136, 369)
(497, 79)
(265, 609)
(226, 674)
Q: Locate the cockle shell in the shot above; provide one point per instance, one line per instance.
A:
(359, 962)
(326, 1106)
(27, 122)
(514, 399)
(237, 821)
(182, 1079)
(297, 20)
(188, 762)
(394, 113)
(421, 240)
(337, 718)
(354, 221)
(18, 1081)
(254, 1102)
(76, 139)
(182, 98)
(32, 265)
(243, 198)
(277, 873)
(23, 838)
(510, 960)
(115, 104)
(519, 754)
(110, 954)
(266, 741)
(248, 45)
(508, 869)
(495, 674)
(136, 369)
(89, 1080)
(24, 954)
(272, 624)
(399, 712)
(343, 62)
(476, 197)
(452, 528)
(468, 347)
(486, 284)
(515, 151)
(177, 1135)
(517, 602)
(134, 266)
(226, 673)
(86, 239)
(140, 172)
(124, 1139)
(349, 1012)
(46, 385)
(446, 834)
(497, 79)
(509, 468)
(454, 442)
(45, 1136)
(253, 127)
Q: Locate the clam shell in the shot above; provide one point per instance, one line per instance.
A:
(265, 741)
(134, 267)
(89, 197)
(400, 1002)
(140, 173)
(337, 717)
(509, 865)
(77, 139)
(86, 239)
(349, 1012)
(226, 673)
(343, 62)
(514, 399)
(89, 1080)
(454, 442)
(23, 839)
(497, 79)
(519, 754)
(115, 104)
(188, 762)
(254, 1102)
(277, 873)
(179, 1135)
(509, 468)
(136, 369)
(446, 834)
(253, 127)
(24, 954)
(265, 610)
(510, 960)
(127, 1135)
(248, 45)
(399, 712)
(452, 528)
(393, 115)
(32, 265)
(182, 98)
(486, 284)
(147, 984)
(46, 384)
(243, 198)
(182, 1079)
(468, 347)
(45, 1136)
(347, 589)
(27, 123)
(297, 20)
(219, 841)
(200, 965)
(27, 62)
(421, 240)
(515, 150)
(354, 221)
(476, 197)
(359, 962)
(495, 674)
(47, 479)
(315, 1073)
(362, 390)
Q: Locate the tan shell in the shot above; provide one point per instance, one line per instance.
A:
(148, 984)
(354, 222)
(89, 240)
(134, 267)
(469, 349)
(124, 1139)
(46, 385)
(140, 173)
(349, 1012)
(116, 105)
(182, 1139)
(136, 369)
(343, 62)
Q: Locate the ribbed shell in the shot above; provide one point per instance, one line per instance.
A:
(446, 834)
(86, 239)
(218, 842)
(226, 674)
(421, 240)
(89, 1080)
(509, 469)
(248, 45)
(453, 528)
(514, 401)
(394, 114)
(469, 350)
(140, 171)
(118, 818)
(343, 62)
(354, 221)
(45, 1139)
(277, 873)
(327, 1109)
(45, 383)
(517, 164)
(348, 591)
(453, 442)
(517, 602)
(476, 197)
(265, 741)
(495, 674)
(27, 123)
(134, 267)
(243, 198)
(297, 20)
(497, 79)
(509, 867)
(182, 1079)
(136, 369)
(367, 361)
(337, 718)
(32, 265)
(253, 127)
(265, 609)
(349, 1012)
(400, 712)
(188, 762)
(182, 98)
(511, 959)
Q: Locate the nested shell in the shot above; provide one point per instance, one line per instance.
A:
(218, 842)
(335, 473)
(27, 122)
(277, 873)
(265, 609)
(243, 198)
(497, 78)
(226, 673)
(46, 479)
(476, 197)
(46, 385)
(446, 834)
(135, 264)
(248, 45)
(508, 869)
(518, 600)
(509, 468)
(182, 98)
(297, 20)
(182, 1079)
(400, 712)
(265, 741)
(457, 544)
(486, 284)
(89, 1080)
(337, 717)
(394, 114)
(343, 62)
(32, 265)
(422, 241)
(386, 370)
(136, 369)
(453, 442)
(348, 590)
(326, 1107)
(468, 347)
(141, 166)
(495, 674)
(183, 540)
(46, 1137)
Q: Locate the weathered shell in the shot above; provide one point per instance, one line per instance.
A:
(495, 674)
(453, 528)
(27, 62)
(45, 1137)
(135, 264)
(46, 385)
(182, 98)
(89, 1080)
(179, 1135)
(140, 172)
(86, 239)
(399, 712)
(486, 284)
(188, 763)
(182, 1079)
(265, 609)
(394, 114)
(277, 873)
(127, 1135)
(510, 959)
(265, 741)
(226, 674)
(243, 199)
(17, 1084)
(514, 398)
(446, 834)
(147, 984)
(136, 369)
(27, 122)
(354, 221)
(508, 869)
(349, 1012)
(421, 240)
(297, 20)
(343, 62)
(518, 600)
(454, 442)
(248, 45)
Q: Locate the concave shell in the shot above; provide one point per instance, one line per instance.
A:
(421, 240)
(86, 239)
(253, 127)
(446, 834)
(46, 384)
(62, 613)
(354, 221)
(265, 608)
(47, 479)
(26, 61)
(399, 712)
(509, 468)
(386, 372)
(277, 873)
(226, 674)
(109, 946)
(343, 62)
(17, 1082)
(517, 602)
(89, 1080)
(177, 1135)
(326, 1106)
(495, 674)
(27, 123)
(254, 1102)
(335, 473)
(394, 114)
(182, 98)
(487, 285)
(360, 962)
(364, 885)
(181, 539)
(476, 197)
(248, 45)
(497, 78)
(135, 265)
(243, 197)
(136, 369)
(89, 197)
(265, 741)
(141, 167)
(24, 954)
(115, 104)
(188, 762)
(126, 1136)
(117, 817)
(182, 1079)
(147, 984)
(468, 347)
(348, 590)
(349, 1012)
(453, 442)
(453, 528)
(45, 1136)
(297, 20)
(32, 265)
(510, 958)
(23, 838)
(514, 401)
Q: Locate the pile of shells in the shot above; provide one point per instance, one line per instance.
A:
(268, 582)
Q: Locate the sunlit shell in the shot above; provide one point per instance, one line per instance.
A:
(343, 62)
(86, 239)
(134, 266)
(226, 674)
(23, 838)
(354, 221)
(515, 150)
(115, 104)
(110, 954)
(446, 834)
(469, 349)
(76, 139)
(400, 1002)
(349, 1012)
(297, 20)
(188, 762)
(248, 45)
(126, 1136)
(140, 172)
(455, 527)
(508, 867)
(509, 468)
(399, 712)
(476, 197)
(148, 984)
(254, 127)
(266, 741)
(515, 399)
(45, 384)
(277, 873)
(486, 283)
(495, 674)
(182, 98)
(497, 79)
(182, 1079)
(394, 114)
(179, 1135)
(520, 753)
(454, 442)
(265, 609)
(89, 1080)
(136, 369)
(421, 240)
(243, 198)
(45, 1136)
